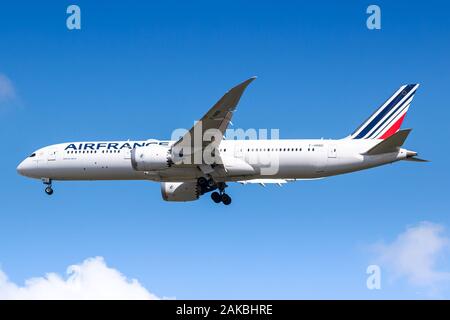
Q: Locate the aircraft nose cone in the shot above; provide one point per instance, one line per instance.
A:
(22, 168)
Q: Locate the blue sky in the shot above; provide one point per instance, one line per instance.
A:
(137, 71)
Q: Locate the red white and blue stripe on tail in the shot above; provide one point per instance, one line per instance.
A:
(388, 119)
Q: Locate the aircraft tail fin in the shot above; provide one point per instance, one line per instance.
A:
(388, 118)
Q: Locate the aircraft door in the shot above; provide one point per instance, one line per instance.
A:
(126, 153)
(332, 151)
(51, 156)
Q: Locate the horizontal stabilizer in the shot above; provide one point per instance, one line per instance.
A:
(416, 159)
(391, 144)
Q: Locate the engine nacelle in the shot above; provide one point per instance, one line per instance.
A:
(180, 191)
(153, 157)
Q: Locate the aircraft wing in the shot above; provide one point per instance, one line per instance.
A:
(263, 182)
(211, 127)
(278, 182)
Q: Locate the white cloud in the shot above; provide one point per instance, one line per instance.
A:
(415, 253)
(91, 279)
(7, 90)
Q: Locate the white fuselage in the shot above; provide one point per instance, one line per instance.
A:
(269, 159)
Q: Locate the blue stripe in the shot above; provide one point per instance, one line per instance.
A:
(366, 122)
(392, 114)
(388, 108)
(394, 118)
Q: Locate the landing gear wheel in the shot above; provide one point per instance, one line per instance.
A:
(215, 196)
(49, 191)
(202, 181)
(226, 199)
(211, 183)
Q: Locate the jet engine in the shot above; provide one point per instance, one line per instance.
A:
(153, 157)
(180, 191)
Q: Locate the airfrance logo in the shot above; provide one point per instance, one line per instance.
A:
(107, 145)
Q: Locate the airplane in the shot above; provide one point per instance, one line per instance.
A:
(203, 161)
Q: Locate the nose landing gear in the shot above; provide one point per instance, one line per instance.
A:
(48, 189)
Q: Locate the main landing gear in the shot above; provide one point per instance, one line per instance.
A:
(210, 185)
(224, 198)
(48, 189)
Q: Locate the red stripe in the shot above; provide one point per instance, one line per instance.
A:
(394, 128)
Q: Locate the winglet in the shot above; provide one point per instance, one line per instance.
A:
(241, 87)
(232, 97)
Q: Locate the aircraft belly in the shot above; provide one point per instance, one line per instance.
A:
(91, 169)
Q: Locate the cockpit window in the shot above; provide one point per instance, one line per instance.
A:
(33, 155)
